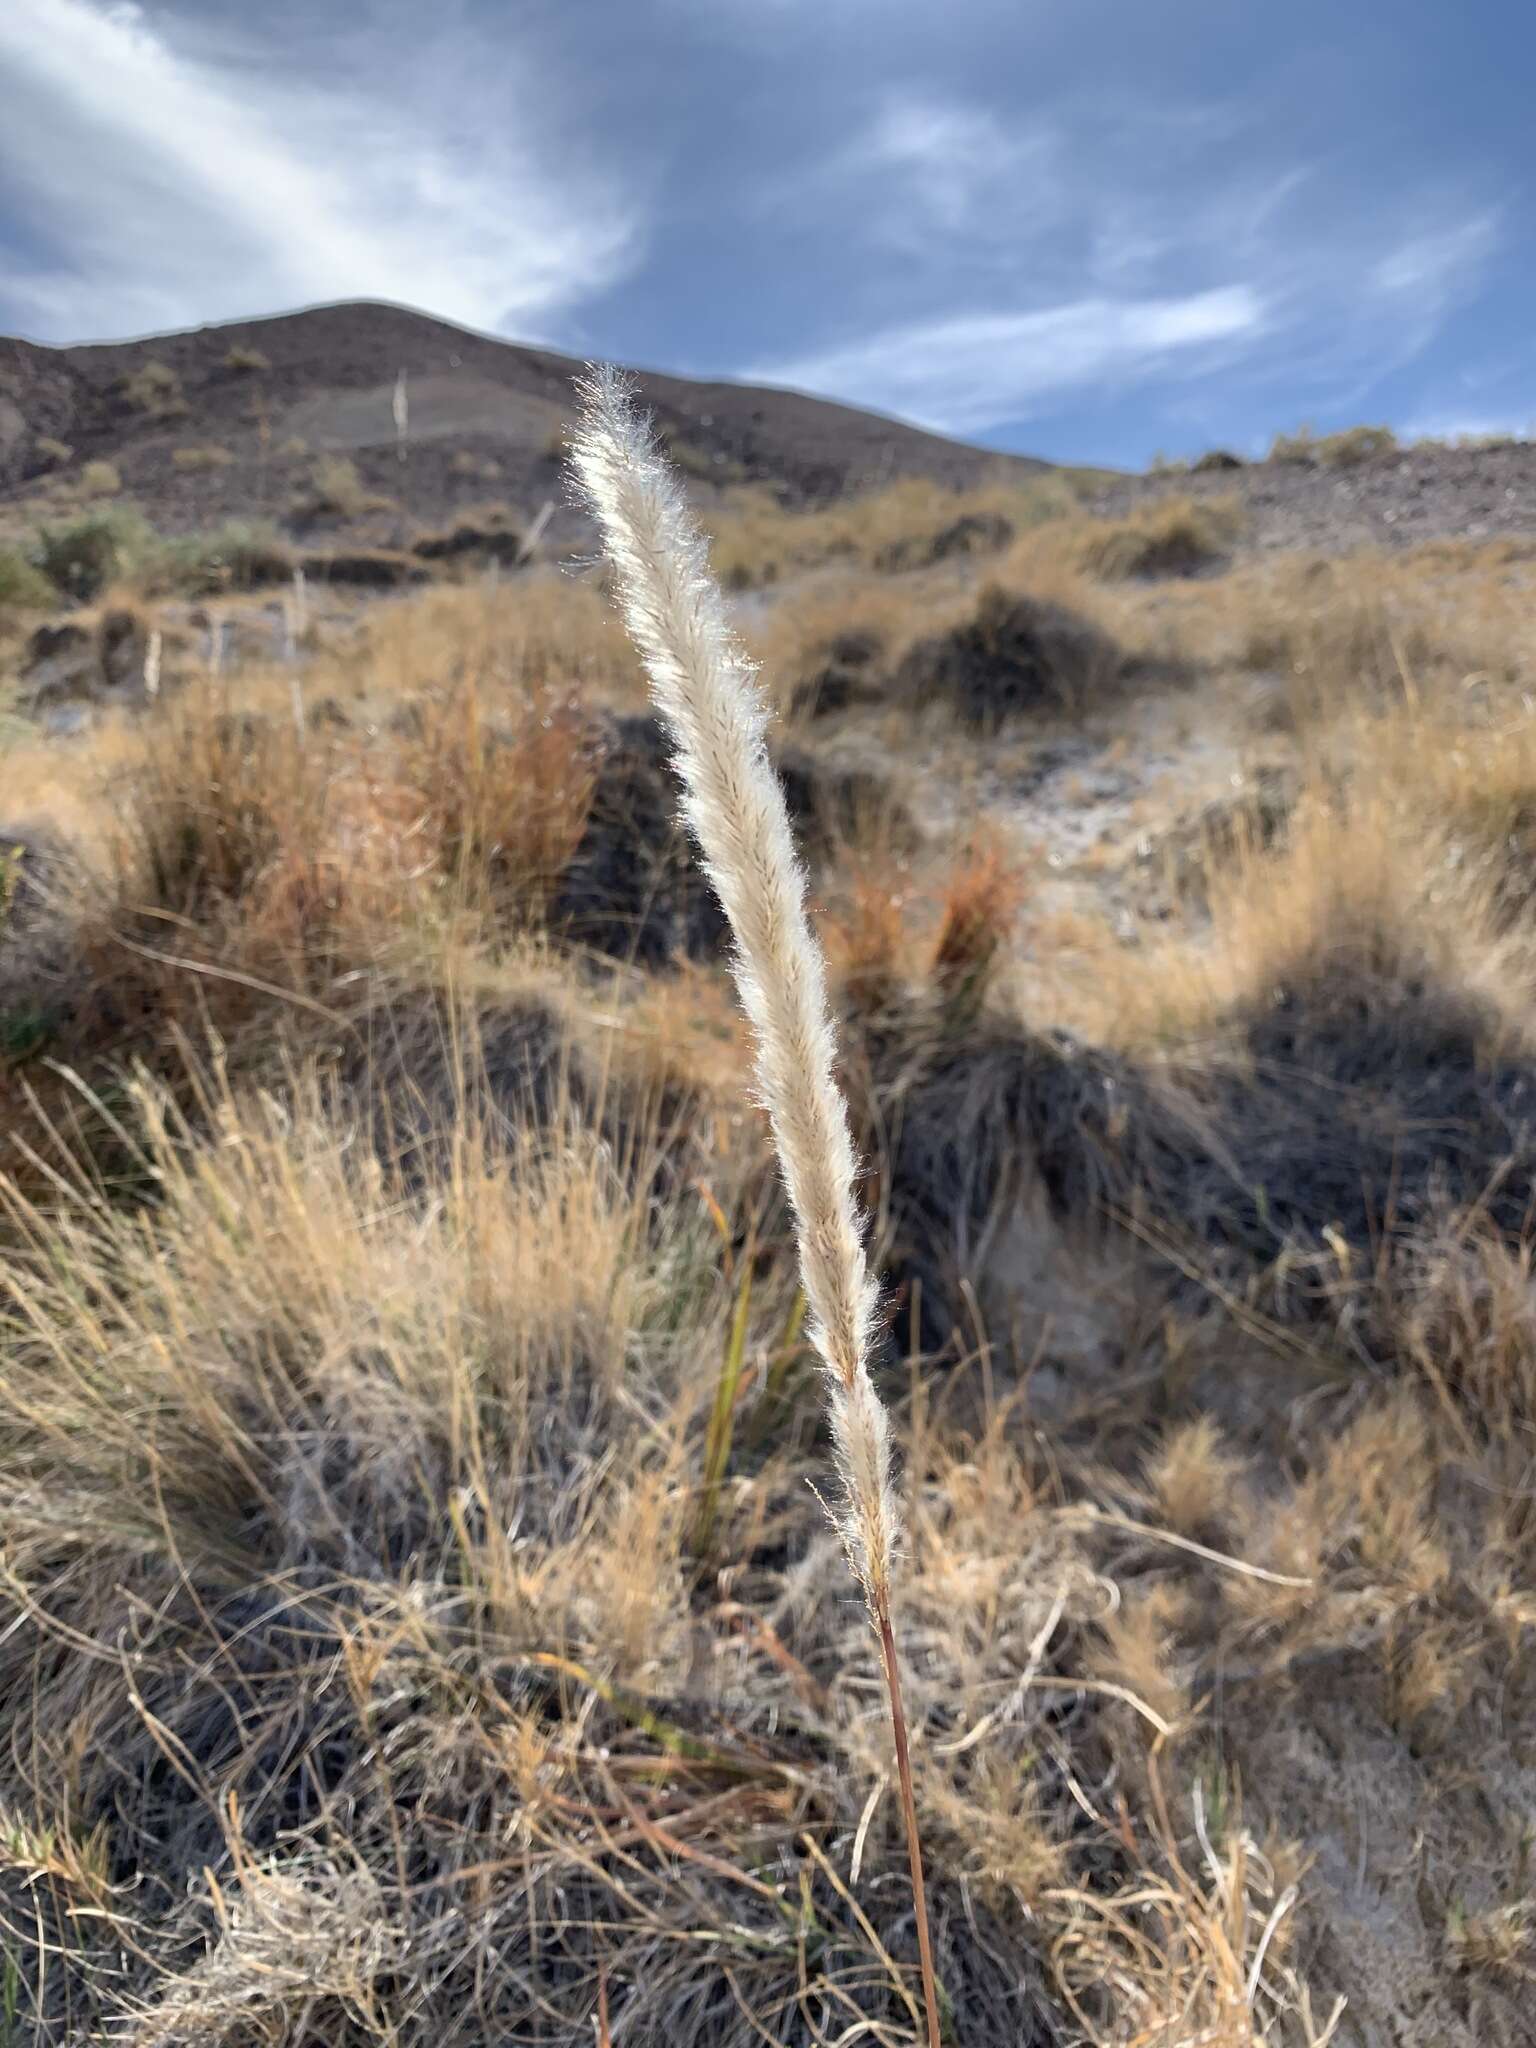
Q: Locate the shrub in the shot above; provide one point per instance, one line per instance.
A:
(1300, 447)
(244, 362)
(22, 583)
(708, 465)
(51, 453)
(491, 533)
(294, 449)
(83, 558)
(338, 487)
(1344, 450)
(154, 389)
(204, 458)
(337, 491)
(242, 554)
(467, 464)
(1357, 445)
(100, 480)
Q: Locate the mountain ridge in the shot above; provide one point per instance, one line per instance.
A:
(484, 416)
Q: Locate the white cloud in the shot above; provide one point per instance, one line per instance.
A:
(1099, 242)
(166, 187)
(961, 374)
(944, 165)
(1428, 268)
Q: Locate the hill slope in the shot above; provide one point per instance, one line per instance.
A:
(484, 418)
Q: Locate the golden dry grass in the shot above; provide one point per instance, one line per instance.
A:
(373, 1256)
(902, 526)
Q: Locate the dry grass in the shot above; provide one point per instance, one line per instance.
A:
(379, 1265)
(1172, 537)
(208, 457)
(153, 389)
(903, 526)
(337, 491)
(100, 480)
(1344, 450)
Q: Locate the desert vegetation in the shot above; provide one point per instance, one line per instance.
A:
(419, 1623)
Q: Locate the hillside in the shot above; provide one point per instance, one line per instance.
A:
(417, 1625)
(268, 397)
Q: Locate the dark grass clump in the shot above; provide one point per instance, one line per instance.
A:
(973, 533)
(81, 559)
(1318, 1135)
(844, 673)
(634, 889)
(38, 970)
(365, 568)
(423, 1076)
(1177, 537)
(1016, 655)
(492, 535)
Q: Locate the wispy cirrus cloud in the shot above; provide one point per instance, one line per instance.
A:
(1094, 249)
(946, 168)
(160, 178)
(963, 373)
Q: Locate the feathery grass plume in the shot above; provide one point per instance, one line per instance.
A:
(705, 687)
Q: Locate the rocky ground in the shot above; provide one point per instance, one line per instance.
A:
(1413, 494)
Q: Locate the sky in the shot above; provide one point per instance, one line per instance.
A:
(1095, 230)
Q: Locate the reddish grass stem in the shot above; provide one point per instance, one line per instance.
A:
(909, 1819)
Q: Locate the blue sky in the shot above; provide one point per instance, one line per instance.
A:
(1092, 229)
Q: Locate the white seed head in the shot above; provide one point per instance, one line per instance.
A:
(705, 687)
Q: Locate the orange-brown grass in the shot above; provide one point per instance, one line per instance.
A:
(981, 902)
(868, 937)
(507, 806)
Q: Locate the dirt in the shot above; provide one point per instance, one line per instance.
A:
(1414, 494)
(1405, 1838)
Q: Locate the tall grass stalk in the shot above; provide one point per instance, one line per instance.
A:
(705, 687)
